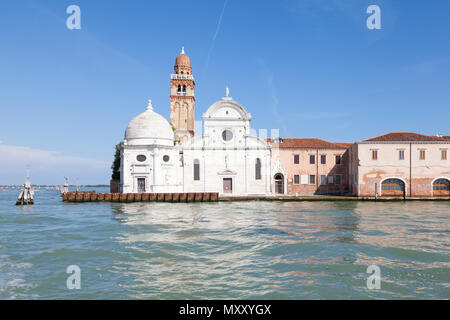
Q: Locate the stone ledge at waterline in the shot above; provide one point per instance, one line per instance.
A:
(92, 196)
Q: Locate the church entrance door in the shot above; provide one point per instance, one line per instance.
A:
(227, 185)
(141, 185)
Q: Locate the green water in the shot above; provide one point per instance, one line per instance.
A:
(241, 250)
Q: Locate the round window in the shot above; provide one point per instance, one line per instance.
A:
(141, 158)
(166, 158)
(227, 135)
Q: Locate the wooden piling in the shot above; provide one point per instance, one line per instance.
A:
(183, 197)
(70, 196)
(191, 197)
(136, 197)
(198, 197)
(214, 196)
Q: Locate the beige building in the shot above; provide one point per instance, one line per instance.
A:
(309, 167)
(402, 164)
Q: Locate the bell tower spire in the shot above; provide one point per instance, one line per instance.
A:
(182, 98)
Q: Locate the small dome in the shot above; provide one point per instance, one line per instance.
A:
(183, 60)
(149, 128)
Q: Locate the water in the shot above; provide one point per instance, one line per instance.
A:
(240, 250)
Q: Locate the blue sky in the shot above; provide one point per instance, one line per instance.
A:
(310, 68)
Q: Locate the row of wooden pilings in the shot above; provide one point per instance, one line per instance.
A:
(92, 196)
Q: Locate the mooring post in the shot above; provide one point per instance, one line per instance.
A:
(376, 191)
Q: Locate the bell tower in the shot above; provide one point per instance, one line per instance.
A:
(182, 99)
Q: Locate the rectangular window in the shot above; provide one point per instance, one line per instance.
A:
(330, 179)
(312, 179)
(323, 179)
(304, 179)
(312, 159)
(296, 159)
(374, 154)
(443, 154)
(422, 155)
(401, 155)
(323, 159)
(338, 179)
(296, 179)
(196, 170)
(338, 159)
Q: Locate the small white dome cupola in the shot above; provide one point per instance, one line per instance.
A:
(149, 128)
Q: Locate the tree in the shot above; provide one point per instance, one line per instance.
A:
(116, 164)
(176, 139)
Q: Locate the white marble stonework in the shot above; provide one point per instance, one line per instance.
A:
(227, 154)
(149, 160)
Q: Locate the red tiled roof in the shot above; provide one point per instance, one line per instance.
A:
(404, 136)
(309, 143)
(345, 145)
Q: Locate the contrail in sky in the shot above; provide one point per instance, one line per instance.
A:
(215, 34)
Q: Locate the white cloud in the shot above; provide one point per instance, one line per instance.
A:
(49, 167)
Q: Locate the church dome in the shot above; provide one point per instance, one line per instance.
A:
(149, 128)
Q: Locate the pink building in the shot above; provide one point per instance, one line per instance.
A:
(309, 166)
(403, 164)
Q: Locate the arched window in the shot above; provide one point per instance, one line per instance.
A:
(441, 187)
(392, 187)
(184, 89)
(258, 169)
(196, 170)
(179, 89)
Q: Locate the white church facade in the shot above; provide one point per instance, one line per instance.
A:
(162, 157)
(227, 159)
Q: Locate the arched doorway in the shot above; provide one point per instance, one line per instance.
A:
(393, 187)
(441, 187)
(279, 183)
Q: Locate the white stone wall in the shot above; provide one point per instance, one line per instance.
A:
(160, 176)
